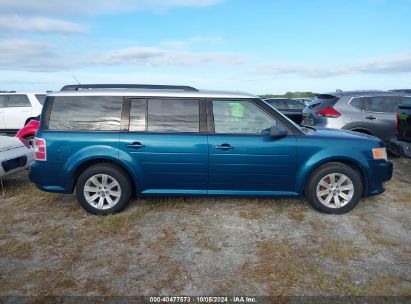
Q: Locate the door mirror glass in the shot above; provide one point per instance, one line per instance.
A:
(278, 131)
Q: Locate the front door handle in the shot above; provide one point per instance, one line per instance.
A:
(370, 117)
(224, 147)
(135, 145)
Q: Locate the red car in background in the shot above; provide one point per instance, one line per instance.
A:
(28, 131)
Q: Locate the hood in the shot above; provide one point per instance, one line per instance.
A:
(345, 134)
(7, 143)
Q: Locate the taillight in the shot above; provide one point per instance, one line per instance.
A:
(396, 123)
(40, 149)
(328, 112)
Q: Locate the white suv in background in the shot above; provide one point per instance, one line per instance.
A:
(16, 109)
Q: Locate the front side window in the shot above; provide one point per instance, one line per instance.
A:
(240, 116)
(172, 115)
(384, 104)
(18, 101)
(87, 113)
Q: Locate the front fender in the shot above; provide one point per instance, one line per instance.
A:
(309, 164)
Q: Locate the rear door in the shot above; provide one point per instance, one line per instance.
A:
(244, 159)
(379, 115)
(17, 111)
(165, 145)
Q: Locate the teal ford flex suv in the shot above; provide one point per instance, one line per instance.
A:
(109, 142)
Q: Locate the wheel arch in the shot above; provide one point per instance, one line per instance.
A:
(95, 161)
(348, 162)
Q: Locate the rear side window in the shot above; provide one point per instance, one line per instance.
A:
(173, 115)
(87, 113)
(164, 115)
(41, 98)
(18, 101)
(384, 104)
(357, 102)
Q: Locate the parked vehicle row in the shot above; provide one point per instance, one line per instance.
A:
(108, 142)
(368, 112)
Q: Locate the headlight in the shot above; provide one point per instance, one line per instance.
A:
(379, 153)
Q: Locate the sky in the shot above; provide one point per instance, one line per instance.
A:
(259, 46)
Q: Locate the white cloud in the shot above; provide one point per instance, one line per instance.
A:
(398, 63)
(20, 54)
(94, 7)
(20, 24)
(156, 57)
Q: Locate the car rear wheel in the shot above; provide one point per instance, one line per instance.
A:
(103, 189)
(334, 188)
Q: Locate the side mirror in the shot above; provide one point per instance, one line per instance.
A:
(278, 131)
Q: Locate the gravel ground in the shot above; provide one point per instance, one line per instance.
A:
(205, 246)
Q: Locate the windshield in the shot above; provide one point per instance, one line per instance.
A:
(305, 130)
(286, 104)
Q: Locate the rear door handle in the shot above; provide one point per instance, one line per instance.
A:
(135, 145)
(225, 147)
(370, 117)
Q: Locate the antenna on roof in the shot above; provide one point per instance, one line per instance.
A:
(78, 82)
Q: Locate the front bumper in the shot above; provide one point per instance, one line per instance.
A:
(400, 148)
(381, 172)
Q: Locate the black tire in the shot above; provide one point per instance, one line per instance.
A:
(113, 172)
(323, 171)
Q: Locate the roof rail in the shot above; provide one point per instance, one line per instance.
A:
(76, 87)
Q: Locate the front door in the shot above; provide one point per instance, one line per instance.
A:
(244, 158)
(167, 151)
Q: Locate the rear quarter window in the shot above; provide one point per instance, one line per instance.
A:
(86, 113)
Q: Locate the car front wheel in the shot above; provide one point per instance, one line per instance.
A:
(334, 188)
(103, 189)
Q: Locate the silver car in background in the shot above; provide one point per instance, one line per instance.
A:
(15, 155)
(369, 112)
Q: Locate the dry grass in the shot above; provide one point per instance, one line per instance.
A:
(345, 286)
(251, 214)
(297, 214)
(340, 251)
(376, 237)
(279, 267)
(207, 243)
(16, 249)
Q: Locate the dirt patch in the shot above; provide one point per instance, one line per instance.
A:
(203, 246)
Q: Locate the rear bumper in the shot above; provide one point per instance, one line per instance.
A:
(381, 172)
(49, 176)
(400, 148)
